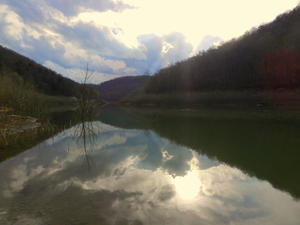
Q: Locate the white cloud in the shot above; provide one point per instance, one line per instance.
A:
(162, 51)
(126, 37)
(77, 74)
(207, 42)
(14, 26)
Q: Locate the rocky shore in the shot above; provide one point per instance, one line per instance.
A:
(13, 124)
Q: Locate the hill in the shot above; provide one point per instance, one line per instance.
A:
(29, 88)
(116, 89)
(42, 78)
(264, 59)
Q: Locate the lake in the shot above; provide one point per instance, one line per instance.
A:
(158, 167)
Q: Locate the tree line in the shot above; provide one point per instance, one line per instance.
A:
(267, 57)
(38, 76)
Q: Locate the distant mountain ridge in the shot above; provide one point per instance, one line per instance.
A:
(116, 89)
(42, 78)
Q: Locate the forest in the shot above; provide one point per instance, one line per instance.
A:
(265, 58)
(38, 76)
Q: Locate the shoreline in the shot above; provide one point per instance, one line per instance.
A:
(247, 99)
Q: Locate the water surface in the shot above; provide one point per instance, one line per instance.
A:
(136, 176)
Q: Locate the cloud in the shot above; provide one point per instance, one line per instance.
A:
(99, 40)
(122, 37)
(207, 42)
(67, 48)
(13, 28)
(77, 74)
(42, 10)
(165, 50)
(29, 10)
(69, 8)
(179, 48)
(152, 48)
(40, 30)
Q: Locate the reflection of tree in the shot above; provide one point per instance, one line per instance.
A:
(85, 131)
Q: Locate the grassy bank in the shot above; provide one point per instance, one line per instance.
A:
(219, 99)
(25, 114)
(25, 99)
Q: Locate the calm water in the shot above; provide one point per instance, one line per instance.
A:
(157, 169)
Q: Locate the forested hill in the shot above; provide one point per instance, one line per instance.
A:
(43, 79)
(116, 89)
(265, 58)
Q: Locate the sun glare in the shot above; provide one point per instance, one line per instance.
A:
(188, 186)
(194, 18)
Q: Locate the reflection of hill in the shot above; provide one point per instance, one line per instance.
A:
(266, 149)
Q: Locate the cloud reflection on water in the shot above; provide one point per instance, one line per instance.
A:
(135, 178)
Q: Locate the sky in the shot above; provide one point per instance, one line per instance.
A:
(126, 37)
